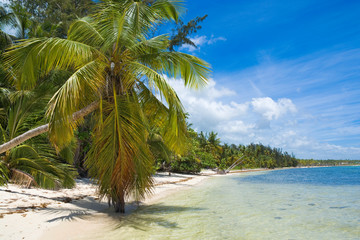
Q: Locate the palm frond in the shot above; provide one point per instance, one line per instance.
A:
(120, 158)
(191, 69)
(36, 57)
(175, 134)
(25, 162)
(85, 31)
(170, 119)
(4, 173)
(169, 9)
(152, 45)
(71, 98)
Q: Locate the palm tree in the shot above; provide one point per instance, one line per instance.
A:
(213, 140)
(214, 145)
(33, 163)
(119, 72)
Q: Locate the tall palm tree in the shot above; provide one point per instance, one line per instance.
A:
(119, 72)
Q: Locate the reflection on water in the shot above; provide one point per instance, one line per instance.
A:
(253, 206)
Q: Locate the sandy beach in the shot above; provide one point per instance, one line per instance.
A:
(63, 214)
(73, 213)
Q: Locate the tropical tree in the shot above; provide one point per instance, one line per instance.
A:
(118, 72)
(36, 162)
(51, 17)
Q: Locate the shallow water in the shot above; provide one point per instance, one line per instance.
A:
(311, 203)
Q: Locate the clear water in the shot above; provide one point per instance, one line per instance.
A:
(311, 203)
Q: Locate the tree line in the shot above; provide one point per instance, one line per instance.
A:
(329, 162)
(205, 150)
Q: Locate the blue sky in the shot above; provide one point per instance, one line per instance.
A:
(284, 73)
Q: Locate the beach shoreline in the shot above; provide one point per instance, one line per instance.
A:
(63, 214)
(39, 214)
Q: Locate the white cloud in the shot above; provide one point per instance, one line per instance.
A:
(270, 109)
(204, 106)
(201, 41)
(323, 87)
(274, 122)
(213, 39)
(236, 126)
(210, 112)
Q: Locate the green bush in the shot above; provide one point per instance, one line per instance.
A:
(186, 165)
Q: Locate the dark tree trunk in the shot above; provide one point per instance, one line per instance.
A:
(120, 204)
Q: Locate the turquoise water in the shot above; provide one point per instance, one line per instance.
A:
(311, 203)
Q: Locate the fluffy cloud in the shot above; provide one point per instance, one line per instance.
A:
(236, 126)
(270, 109)
(274, 122)
(201, 41)
(205, 107)
(209, 112)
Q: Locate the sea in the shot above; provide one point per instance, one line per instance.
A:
(299, 203)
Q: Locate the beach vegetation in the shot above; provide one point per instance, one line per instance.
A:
(207, 151)
(49, 18)
(34, 163)
(117, 74)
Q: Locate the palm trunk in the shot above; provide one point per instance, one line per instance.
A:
(44, 128)
(120, 203)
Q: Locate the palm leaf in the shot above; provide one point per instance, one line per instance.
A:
(191, 69)
(34, 58)
(85, 31)
(4, 173)
(70, 98)
(120, 157)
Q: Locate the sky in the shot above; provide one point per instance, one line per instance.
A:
(284, 74)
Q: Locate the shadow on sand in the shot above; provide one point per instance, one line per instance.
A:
(137, 216)
(146, 216)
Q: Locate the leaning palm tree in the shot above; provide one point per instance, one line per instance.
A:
(118, 72)
(34, 162)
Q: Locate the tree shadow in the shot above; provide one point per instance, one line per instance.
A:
(146, 216)
(137, 216)
(71, 216)
(83, 207)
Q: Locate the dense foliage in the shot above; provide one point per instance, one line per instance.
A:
(49, 17)
(329, 162)
(206, 151)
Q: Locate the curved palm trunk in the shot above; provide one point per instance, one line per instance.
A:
(44, 128)
(237, 162)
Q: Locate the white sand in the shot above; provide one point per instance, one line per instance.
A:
(46, 214)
